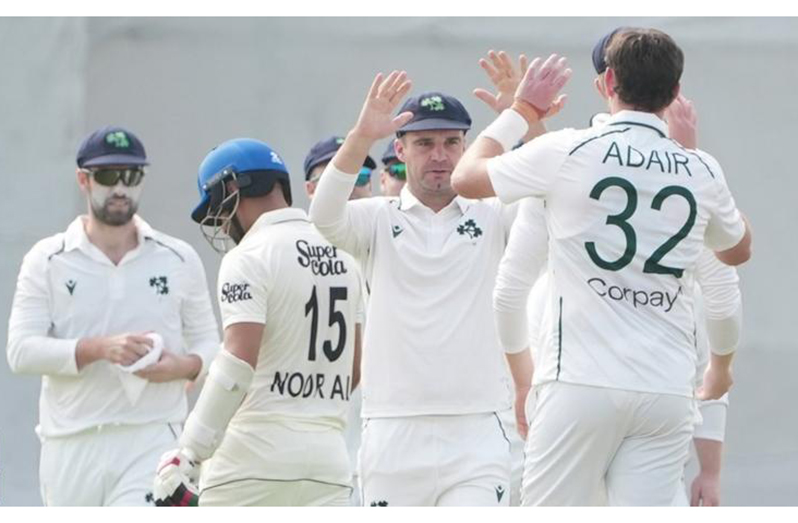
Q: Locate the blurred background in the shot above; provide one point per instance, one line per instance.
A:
(184, 85)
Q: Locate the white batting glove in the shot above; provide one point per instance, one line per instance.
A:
(176, 480)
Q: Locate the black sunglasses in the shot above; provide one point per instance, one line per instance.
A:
(130, 176)
(398, 171)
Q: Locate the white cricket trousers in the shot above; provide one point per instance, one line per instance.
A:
(594, 446)
(108, 465)
(270, 463)
(461, 460)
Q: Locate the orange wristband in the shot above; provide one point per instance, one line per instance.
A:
(530, 113)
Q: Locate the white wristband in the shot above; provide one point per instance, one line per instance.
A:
(507, 129)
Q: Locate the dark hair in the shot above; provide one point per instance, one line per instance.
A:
(648, 65)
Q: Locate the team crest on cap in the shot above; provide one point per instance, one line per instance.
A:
(433, 103)
(118, 139)
(276, 158)
(339, 141)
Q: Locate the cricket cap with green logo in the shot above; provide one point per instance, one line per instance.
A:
(433, 111)
(324, 150)
(111, 145)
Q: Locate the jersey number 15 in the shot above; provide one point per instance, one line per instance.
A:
(335, 317)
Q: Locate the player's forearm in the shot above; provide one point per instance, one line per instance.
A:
(536, 129)
(724, 333)
(357, 357)
(328, 209)
(350, 157)
(721, 363)
(710, 455)
(190, 366)
(470, 176)
(521, 368)
(88, 351)
(32, 354)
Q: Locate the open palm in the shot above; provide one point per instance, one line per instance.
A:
(376, 120)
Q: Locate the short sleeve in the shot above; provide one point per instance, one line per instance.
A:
(726, 226)
(530, 169)
(242, 289)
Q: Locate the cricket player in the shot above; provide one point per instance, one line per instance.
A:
(628, 212)
(394, 172)
(718, 312)
(320, 155)
(718, 323)
(315, 162)
(116, 318)
(268, 426)
(433, 375)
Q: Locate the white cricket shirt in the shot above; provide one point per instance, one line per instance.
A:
(68, 289)
(306, 292)
(628, 212)
(430, 344)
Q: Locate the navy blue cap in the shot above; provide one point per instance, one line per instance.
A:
(600, 51)
(324, 150)
(434, 111)
(111, 146)
(390, 153)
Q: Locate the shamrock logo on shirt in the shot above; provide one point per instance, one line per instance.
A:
(159, 283)
(470, 228)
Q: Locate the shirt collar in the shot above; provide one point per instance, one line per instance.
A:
(75, 236)
(407, 200)
(640, 119)
(289, 214)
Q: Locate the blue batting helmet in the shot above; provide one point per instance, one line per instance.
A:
(253, 165)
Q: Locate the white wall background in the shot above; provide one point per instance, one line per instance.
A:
(184, 85)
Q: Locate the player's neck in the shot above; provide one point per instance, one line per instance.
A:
(250, 209)
(113, 240)
(616, 106)
(435, 200)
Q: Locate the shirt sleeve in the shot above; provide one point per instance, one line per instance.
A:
(524, 257)
(31, 349)
(242, 289)
(531, 169)
(726, 226)
(719, 284)
(347, 225)
(713, 414)
(538, 314)
(200, 329)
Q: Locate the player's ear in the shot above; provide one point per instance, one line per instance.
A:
(598, 84)
(399, 149)
(677, 90)
(609, 82)
(231, 186)
(310, 188)
(83, 180)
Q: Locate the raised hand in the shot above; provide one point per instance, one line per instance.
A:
(540, 87)
(376, 120)
(682, 122)
(505, 78)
